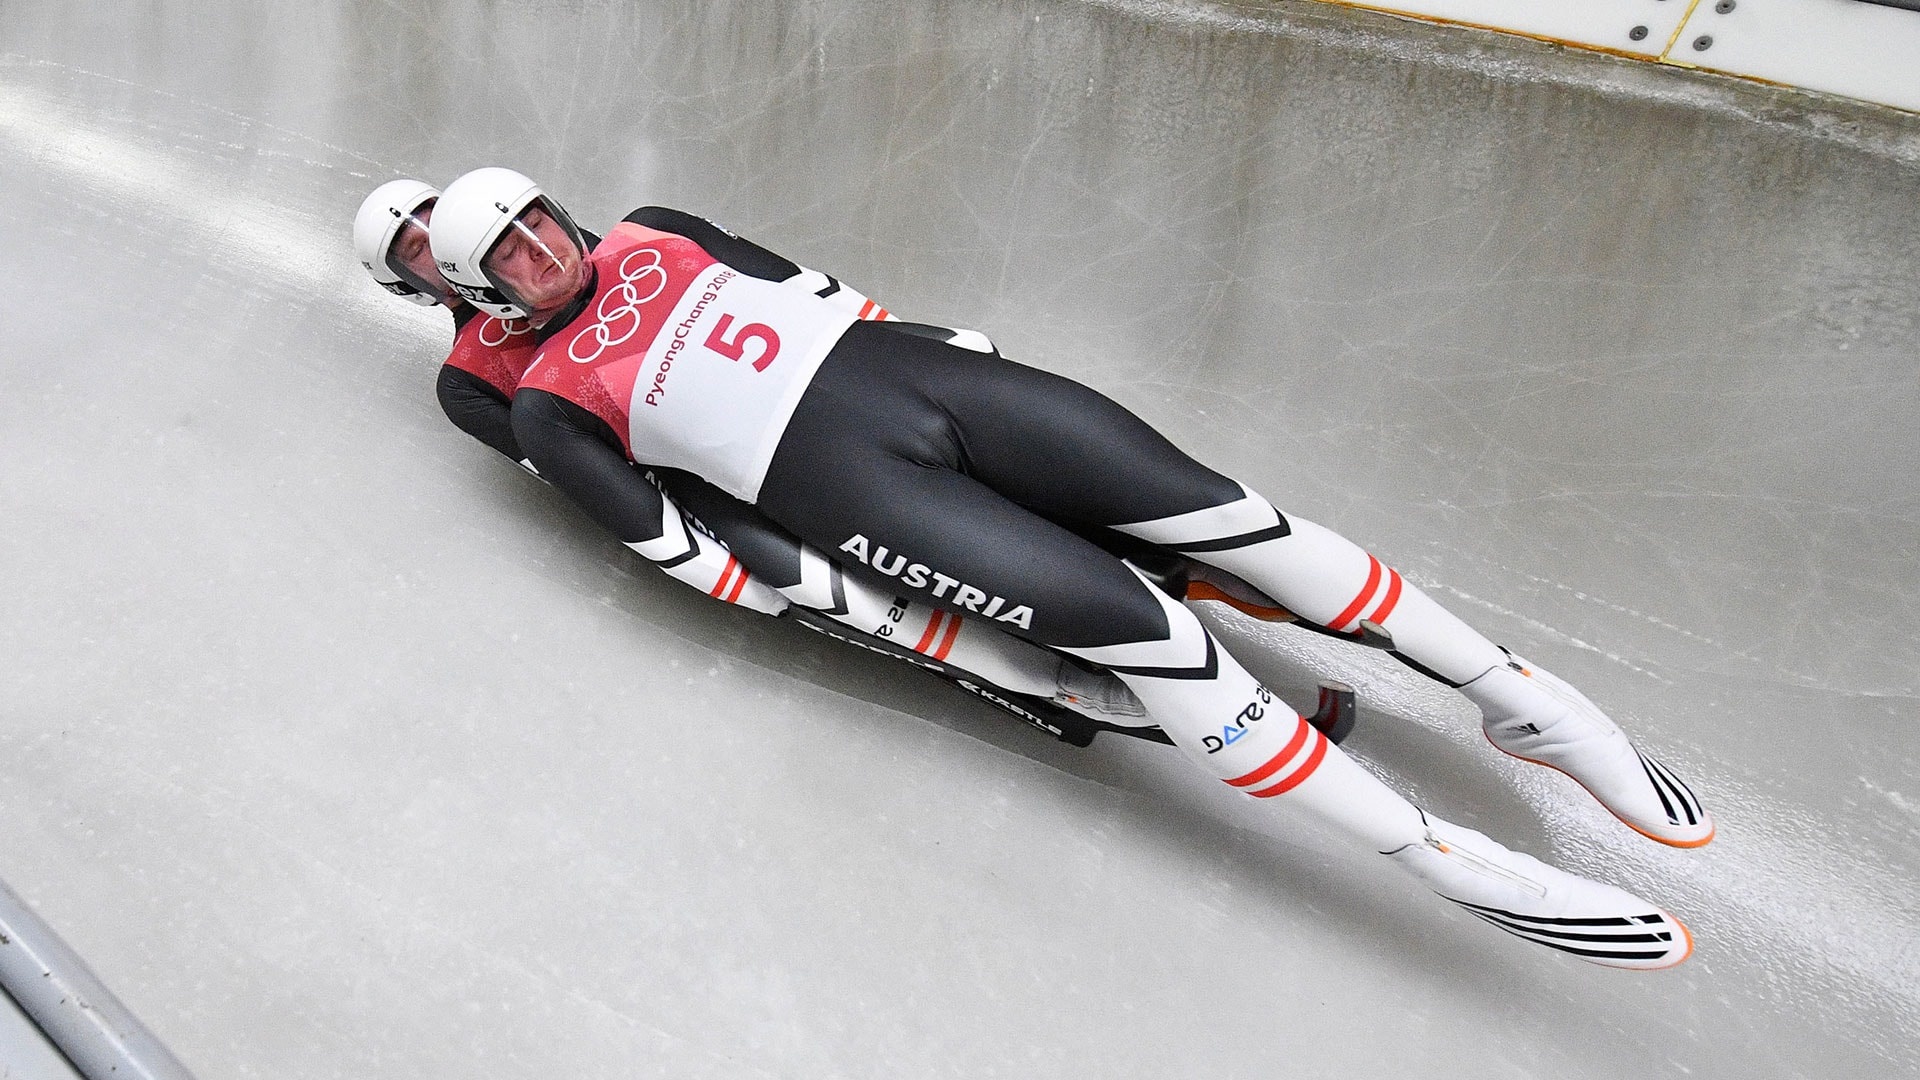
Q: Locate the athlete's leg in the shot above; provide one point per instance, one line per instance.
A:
(1073, 455)
(849, 482)
(1076, 456)
(1527, 712)
(947, 537)
(1509, 889)
(1122, 475)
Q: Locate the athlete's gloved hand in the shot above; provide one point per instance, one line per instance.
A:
(688, 553)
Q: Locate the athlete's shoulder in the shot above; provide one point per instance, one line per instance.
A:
(716, 240)
(667, 219)
(627, 233)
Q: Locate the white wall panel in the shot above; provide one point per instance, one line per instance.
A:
(1843, 47)
(1847, 47)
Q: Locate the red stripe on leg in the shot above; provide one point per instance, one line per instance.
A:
(933, 630)
(1299, 775)
(1379, 616)
(946, 643)
(726, 572)
(1273, 763)
(1341, 620)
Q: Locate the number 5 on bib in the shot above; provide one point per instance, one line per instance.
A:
(737, 348)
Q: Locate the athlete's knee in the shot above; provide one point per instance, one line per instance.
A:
(1240, 518)
(1120, 608)
(1171, 644)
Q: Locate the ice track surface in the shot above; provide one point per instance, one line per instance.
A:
(342, 750)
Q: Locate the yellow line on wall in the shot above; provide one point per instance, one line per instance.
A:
(1441, 20)
(1664, 59)
(1666, 54)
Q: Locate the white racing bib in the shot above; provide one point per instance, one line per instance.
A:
(697, 365)
(722, 378)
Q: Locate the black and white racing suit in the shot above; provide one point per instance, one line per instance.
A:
(955, 476)
(714, 542)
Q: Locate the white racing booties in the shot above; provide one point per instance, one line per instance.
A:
(1527, 898)
(1536, 717)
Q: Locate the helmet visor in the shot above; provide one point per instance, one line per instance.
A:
(410, 260)
(539, 261)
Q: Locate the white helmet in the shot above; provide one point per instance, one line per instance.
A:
(472, 216)
(391, 207)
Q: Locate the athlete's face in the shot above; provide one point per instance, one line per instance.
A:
(537, 260)
(410, 248)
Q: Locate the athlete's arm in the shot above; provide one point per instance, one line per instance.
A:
(969, 650)
(478, 408)
(576, 452)
(750, 258)
(770, 551)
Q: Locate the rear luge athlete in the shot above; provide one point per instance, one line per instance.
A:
(723, 546)
(476, 382)
(961, 478)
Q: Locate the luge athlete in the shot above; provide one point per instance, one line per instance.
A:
(756, 564)
(961, 477)
(476, 382)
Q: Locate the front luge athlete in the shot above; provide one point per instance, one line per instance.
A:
(475, 387)
(963, 477)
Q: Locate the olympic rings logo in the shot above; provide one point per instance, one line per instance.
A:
(496, 332)
(618, 316)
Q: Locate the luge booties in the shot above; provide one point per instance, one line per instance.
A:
(1536, 717)
(1518, 893)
